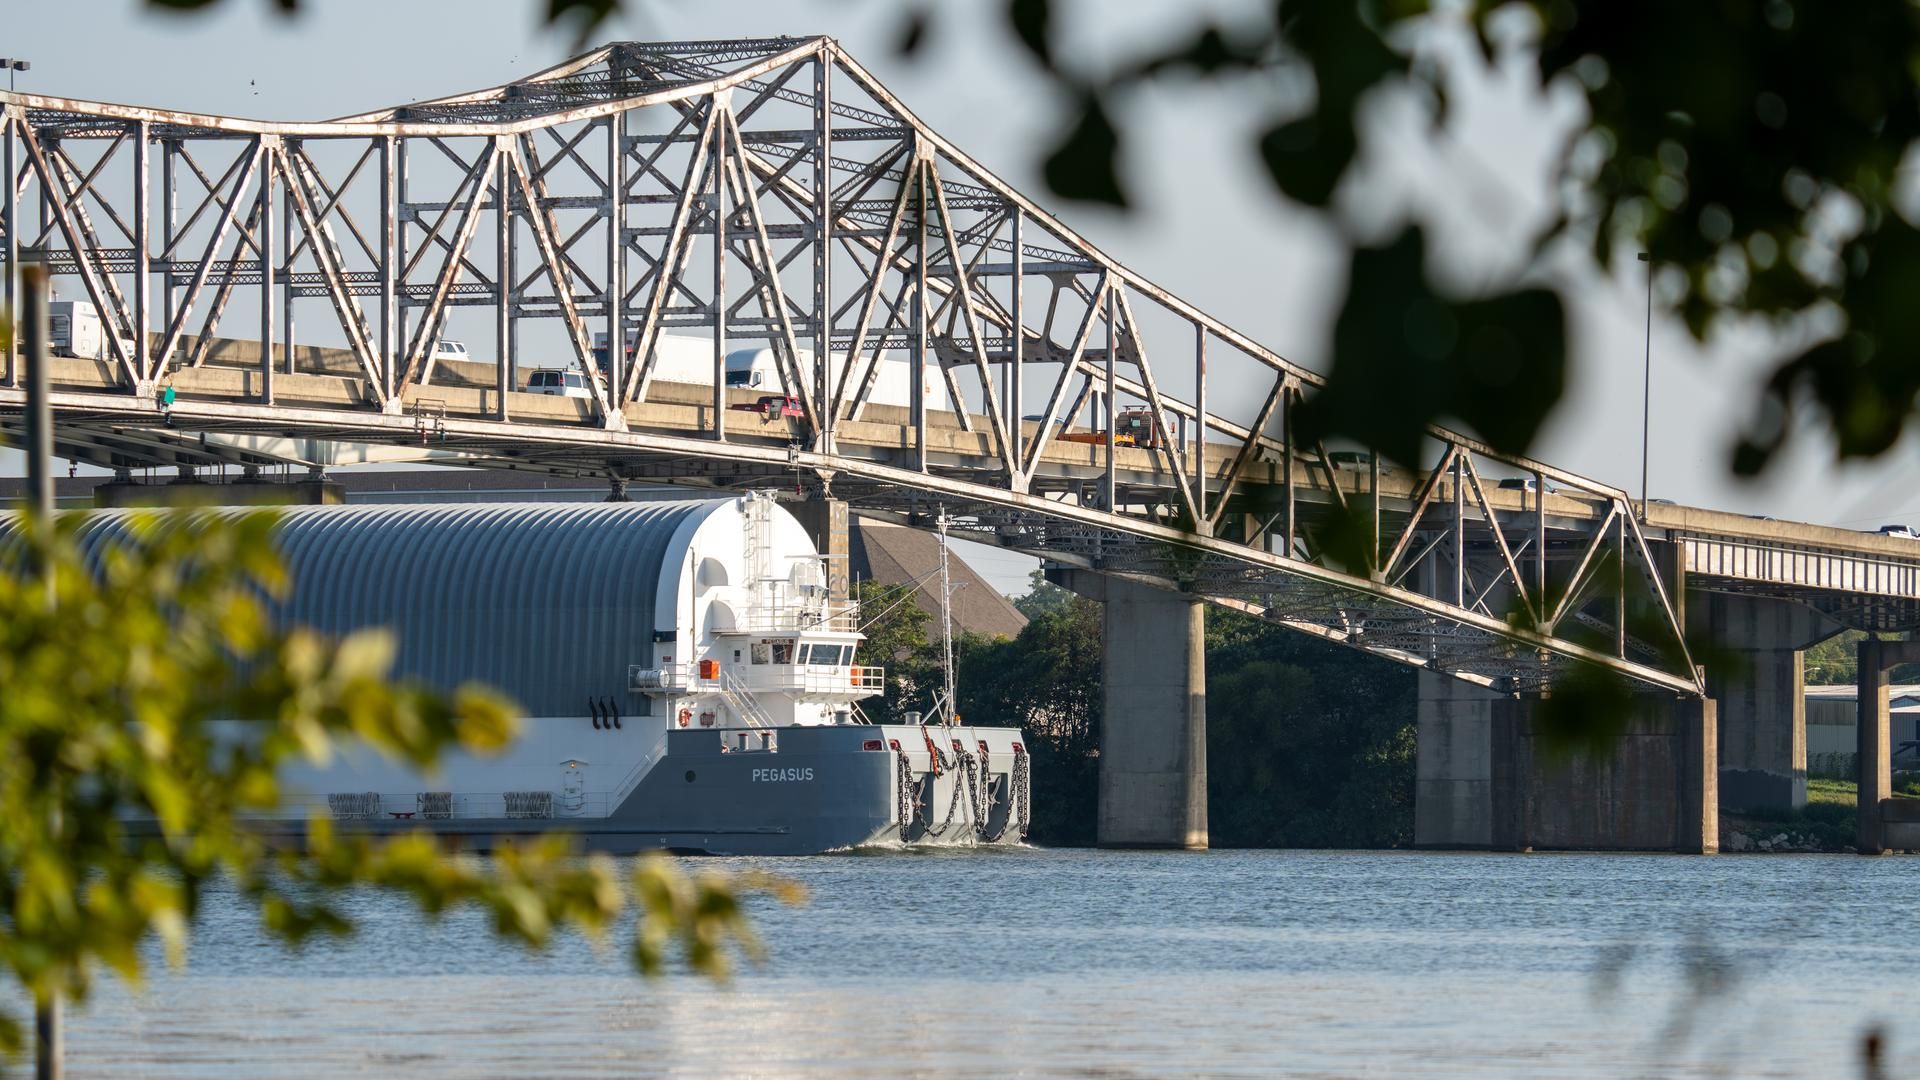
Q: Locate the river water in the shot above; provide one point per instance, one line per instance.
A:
(1098, 963)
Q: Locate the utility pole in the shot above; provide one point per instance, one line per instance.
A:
(33, 282)
(1646, 389)
(49, 1048)
(49, 1045)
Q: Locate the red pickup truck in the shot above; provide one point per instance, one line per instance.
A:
(773, 406)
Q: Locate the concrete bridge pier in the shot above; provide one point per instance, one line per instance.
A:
(825, 520)
(1453, 771)
(1485, 779)
(1153, 736)
(1881, 821)
(1759, 682)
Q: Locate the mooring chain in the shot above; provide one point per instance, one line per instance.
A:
(1019, 799)
(986, 792)
(1022, 794)
(979, 792)
(909, 800)
(964, 763)
(970, 766)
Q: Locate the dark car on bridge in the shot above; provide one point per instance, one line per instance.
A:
(1527, 483)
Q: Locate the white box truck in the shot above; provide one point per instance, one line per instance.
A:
(686, 359)
(759, 369)
(74, 328)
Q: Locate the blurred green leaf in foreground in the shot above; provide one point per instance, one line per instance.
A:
(111, 683)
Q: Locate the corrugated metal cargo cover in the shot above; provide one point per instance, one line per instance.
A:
(547, 602)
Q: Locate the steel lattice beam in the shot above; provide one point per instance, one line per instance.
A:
(770, 192)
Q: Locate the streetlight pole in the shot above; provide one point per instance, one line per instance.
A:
(12, 65)
(1646, 388)
(49, 1039)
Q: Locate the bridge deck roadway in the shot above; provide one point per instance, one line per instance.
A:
(1736, 551)
(670, 437)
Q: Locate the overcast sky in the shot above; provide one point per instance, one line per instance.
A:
(1208, 226)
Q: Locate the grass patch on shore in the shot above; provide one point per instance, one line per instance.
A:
(1828, 818)
(1833, 793)
(1847, 793)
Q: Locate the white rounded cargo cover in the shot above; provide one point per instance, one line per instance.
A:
(546, 602)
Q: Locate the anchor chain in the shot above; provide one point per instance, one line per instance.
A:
(964, 763)
(909, 803)
(982, 791)
(1019, 799)
(1023, 787)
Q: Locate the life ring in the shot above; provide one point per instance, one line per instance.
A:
(686, 717)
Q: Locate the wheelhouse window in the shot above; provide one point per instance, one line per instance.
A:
(777, 651)
(824, 655)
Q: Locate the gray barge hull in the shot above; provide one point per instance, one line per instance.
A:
(789, 791)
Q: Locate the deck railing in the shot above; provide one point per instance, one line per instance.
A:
(428, 806)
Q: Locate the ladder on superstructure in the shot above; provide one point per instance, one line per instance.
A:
(741, 701)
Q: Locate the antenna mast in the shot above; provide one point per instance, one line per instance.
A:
(946, 618)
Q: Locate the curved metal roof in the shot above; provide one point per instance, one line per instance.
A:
(546, 602)
(549, 603)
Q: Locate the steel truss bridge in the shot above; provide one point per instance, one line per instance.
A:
(772, 193)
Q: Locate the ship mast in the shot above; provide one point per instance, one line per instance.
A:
(946, 620)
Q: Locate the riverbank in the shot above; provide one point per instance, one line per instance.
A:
(1826, 823)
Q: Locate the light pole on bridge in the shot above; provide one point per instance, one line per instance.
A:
(13, 67)
(1646, 389)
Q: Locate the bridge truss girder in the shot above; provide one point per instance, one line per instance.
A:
(772, 192)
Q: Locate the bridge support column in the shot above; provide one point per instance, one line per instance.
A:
(1880, 822)
(1485, 779)
(826, 522)
(1760, 686)
(1153, 735)
(1453, 778)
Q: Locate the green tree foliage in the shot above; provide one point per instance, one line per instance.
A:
(902, 636)
(1048, 682)
(1042, 596)
(1309, 744)
(1835, 661)
(121, 800)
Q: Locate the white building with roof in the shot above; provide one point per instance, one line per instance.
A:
(1832, 716)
